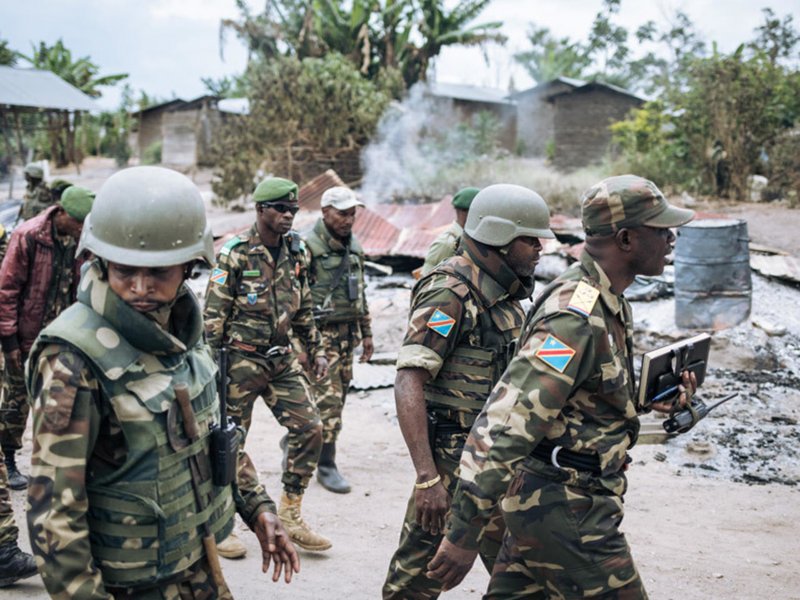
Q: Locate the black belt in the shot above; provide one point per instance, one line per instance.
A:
(549, 453)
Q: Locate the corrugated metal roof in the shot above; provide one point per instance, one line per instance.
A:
(376, 235)
(473, 93)
(310, 194)
(33, 88)
(236, 106)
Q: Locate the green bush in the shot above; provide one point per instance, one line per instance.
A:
(152, 154)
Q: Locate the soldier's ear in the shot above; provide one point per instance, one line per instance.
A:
(623, 239)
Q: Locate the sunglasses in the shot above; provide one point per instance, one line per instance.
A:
(282, 208)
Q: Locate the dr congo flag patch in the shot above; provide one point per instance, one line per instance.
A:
(441, 323)
(555, 353)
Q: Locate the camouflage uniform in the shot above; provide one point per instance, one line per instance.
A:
(479, 294)
(253, 305)
(112, 504)
(343, 329)
(3, 242)
(8, 527)
(570, 385)
(443, 247)
(36, 199)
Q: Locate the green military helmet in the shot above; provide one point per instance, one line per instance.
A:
(34, 170)
(502, 212)
(148, 217)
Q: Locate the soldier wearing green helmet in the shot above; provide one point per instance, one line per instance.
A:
(258, 300)
(124, 502)
(37, 196)
(465, 316)
(445, 245)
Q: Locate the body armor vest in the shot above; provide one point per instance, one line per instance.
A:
(471, 371)
(145, 524)
(325, 266)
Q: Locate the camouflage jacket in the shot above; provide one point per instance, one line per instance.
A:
(35, 200)
(113, 500)
(252, 300)
(571, 382)
(325, 254)
(443, 247)
(464, 316)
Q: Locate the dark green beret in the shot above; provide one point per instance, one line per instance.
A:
(273, 189)
(59, 185)
(463, 198)
(77, 202)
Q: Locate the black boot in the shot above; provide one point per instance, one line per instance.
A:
(16, 480)
(327, 473)
(15, 564)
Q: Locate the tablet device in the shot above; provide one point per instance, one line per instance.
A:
(662, 368)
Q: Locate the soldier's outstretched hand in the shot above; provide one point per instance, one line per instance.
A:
(450, 564)
(276, 547)
(367, 348)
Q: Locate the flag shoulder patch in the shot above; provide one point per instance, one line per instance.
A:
(555, 353)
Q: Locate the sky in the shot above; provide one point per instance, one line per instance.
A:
(166, 46)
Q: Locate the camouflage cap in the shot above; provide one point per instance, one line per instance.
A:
(77, 202)
(463, 197)
(273, 189)
(628, 201)
(34, 170)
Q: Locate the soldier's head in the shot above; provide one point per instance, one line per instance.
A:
(148, 228)
(33, 173)
(75, 206)
(512, 219)
(628, 220)
(276, 205)
(462, 201)
(339, 210)
(57, 187)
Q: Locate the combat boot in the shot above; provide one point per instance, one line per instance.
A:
(299, 531)
(327, 473)
(16, 480)
(15, 564)
(232, 547)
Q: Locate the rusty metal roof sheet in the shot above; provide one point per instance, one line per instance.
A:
(33, 88)
(310, 194)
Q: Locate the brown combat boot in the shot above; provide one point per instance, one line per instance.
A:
(299, 531)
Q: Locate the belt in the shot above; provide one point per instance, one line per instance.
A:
(560, 457)
(265, 351)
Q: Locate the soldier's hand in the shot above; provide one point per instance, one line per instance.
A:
(276, 547)
(367, 348)
(320, 367)
(450, 564)
(432, 505)
(302, 358)
(14, 360)
(686, 389)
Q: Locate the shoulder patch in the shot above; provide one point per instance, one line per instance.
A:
(583, 299)
(219, 276)
(441, 323)
(555, 353)
(230, 245)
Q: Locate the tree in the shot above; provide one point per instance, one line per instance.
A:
(550, 57)
(8, 57)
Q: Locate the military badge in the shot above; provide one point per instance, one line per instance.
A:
(583, 299)
(219, 276)
(555, 353)
(252, 298)
(441, 323)
(251, 273)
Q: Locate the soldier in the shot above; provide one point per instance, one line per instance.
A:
(553, 436)
(336, 277)
(123, 502)
(257, 299)
(38, 279)
(37, 197)
(57, 188)
(465, 316)
(444, 246)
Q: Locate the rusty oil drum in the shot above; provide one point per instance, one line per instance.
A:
(713, 288)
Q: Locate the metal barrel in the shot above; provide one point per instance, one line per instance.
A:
(713, 289)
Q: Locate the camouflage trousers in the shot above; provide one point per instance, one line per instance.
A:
(14, 407)
(562, 540)
(8, 527)
(280, 381)
(339, 341)
(197, 585)
(406, 578)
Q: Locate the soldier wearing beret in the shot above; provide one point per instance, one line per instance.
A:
(336, 277)
(465, 316)
(37, 197)
(257, 300)
(551, 443)
(38, 279)
(445, 245)
(57, 188)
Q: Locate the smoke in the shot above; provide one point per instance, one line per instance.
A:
(414, 140)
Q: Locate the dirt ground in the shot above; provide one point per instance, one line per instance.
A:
(695, 533)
